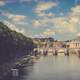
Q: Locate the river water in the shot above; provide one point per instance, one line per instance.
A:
(52, 68)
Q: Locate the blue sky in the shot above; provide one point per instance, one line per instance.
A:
(59, 19)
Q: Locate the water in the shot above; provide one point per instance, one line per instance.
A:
(53, 68)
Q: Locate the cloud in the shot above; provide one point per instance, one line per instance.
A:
(44, 14)
(48, 33)
(74, 16)
(40, 23)
(78, 34)
(42, 6)
(36, 23)
(45, 33)
(18, 17)
(76, 9)
(74, 19)
(50, 14)
(14, 17)
(69, 23)
(63, 24)
(59, 24)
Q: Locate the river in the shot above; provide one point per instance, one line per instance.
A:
(52, 68)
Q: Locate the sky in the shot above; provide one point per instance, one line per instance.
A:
(59, 19)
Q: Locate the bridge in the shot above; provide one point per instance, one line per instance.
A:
(51, 51)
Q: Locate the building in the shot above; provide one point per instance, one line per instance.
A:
(49, 45)
(74, 44)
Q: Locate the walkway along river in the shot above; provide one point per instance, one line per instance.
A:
(51, 68)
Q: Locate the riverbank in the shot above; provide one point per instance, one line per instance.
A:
(17, 63)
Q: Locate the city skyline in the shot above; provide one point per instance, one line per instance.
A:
(59, 19)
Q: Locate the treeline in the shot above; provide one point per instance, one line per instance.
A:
(13, 44)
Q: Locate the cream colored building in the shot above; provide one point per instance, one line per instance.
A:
(74, 44)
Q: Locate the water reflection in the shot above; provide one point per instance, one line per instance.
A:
(23, 74)
(10, 77)
(53, 68)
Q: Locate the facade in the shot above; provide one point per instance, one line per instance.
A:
(74, 44)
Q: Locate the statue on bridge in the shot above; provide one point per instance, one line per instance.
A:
(67, 50)
(56, 52)
(45, 53)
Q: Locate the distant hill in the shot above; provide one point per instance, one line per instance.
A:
(45, 39)
(13, 44)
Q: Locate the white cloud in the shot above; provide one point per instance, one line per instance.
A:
(40, 23)
(63, 24)
(51, 14)
(71, 22)
(76, 9)
(42, 6)
(45, 33)
(36, 23)
(60, 25)
(74, 19)
(78, 34)
(43, 14)
(48, 32)
(18, 17)
(14, 17)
